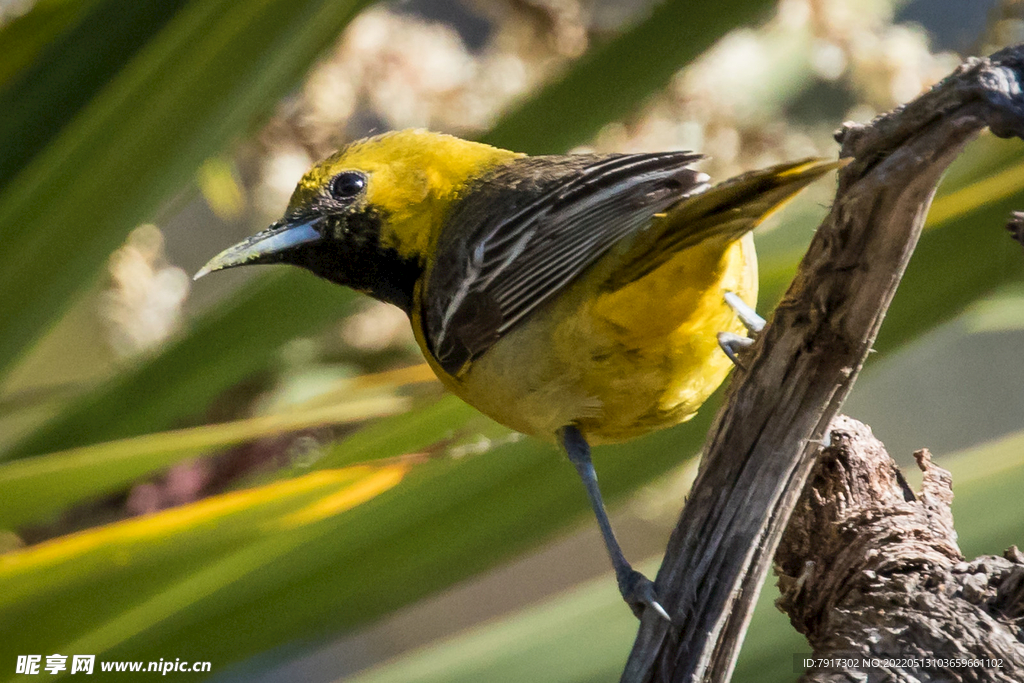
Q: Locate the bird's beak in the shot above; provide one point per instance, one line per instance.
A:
(270, 246)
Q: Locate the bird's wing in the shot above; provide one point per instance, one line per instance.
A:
(524, 233)
(728, 210)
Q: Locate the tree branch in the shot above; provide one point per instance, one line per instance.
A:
(763, 444)
(869, 570)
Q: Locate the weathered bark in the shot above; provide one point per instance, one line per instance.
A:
(764, 441)
(870, 572)
(1016, 226)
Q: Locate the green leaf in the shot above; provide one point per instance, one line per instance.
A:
(176, 562)
(25, 37)
(987, 480)
(439, 526)
(201, 81)
(443, 421)
(447, 521)
(584, 634)
(58, 82)
(34, 488)
(1002, 312)
(238, 338)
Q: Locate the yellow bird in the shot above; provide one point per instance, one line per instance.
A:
(574, 298)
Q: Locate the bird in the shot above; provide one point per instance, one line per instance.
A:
(577, 298)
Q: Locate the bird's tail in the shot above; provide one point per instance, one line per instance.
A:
(738, 205)
(729, 210)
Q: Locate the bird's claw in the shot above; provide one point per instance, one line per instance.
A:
(734, 345)
(638, 592)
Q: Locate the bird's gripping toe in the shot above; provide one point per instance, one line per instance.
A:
(638, 592)
(733, 344)
(747, 315)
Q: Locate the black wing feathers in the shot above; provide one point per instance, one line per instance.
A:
(531, 227)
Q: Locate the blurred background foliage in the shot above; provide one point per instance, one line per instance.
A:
(258, 472)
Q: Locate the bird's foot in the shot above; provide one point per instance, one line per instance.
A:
(638, 592)
(734, 345)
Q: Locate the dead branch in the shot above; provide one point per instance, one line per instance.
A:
(764, 441)
(870, 572)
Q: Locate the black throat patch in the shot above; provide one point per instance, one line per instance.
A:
(351, 254)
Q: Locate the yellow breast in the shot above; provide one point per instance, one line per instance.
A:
(616, 363)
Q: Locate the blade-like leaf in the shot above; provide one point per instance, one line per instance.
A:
(35, 488)
(424, 430)
(583, 634)
(440, 525)
(1002, 312)
(240, 337)
(25, 37)
(69, 594)
(56, 84)
(199, 83)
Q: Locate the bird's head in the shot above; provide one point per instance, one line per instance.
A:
(368, 216)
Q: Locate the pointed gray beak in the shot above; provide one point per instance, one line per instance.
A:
(268, 246)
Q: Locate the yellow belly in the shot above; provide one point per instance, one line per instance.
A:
(617, 364)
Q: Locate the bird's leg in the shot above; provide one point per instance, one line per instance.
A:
(636, 589)
(734, 344)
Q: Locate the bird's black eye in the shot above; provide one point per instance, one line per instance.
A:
(347, 185)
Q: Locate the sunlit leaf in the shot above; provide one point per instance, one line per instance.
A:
(176, 562)
(238, 338)
(1002, 312)
(34, 488)
(996, 187)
